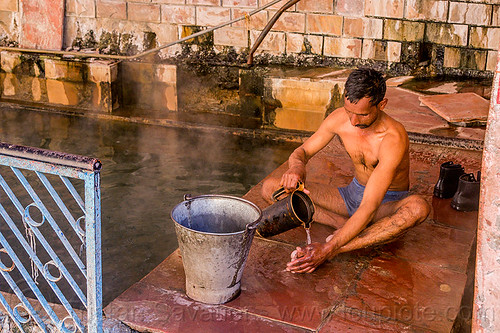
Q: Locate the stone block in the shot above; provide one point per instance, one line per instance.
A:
(294, 43)
(166, 73)
(9, 60)
(317, 6)
(178, 14)
(63, 93)
(429, 10)
(473, 59)
(64, 70)
(374, 50)
(165, 33)
(42, 23)
(111, 9)
(349, 7)
(36, 89)
(275, 6)
(447, 34)
(211, 16)
(491, 63)
(495, 22)
(451, 57)
(274, 41)
(240, 3)
(103, 71)
(257, 21)
(324, 24)
(406, 31)
(231, 37)
(485, 38)
(363, 27)
(144, 12)
(470, 13)
(203, 2)
(315, 43)
(81, 8)
(343, 47)
(9, 5)
(393, 51)
(384, 8)
(163, 96)
(172, 2)
(290, 22)
(8, 24)
(141, 72)
(10, 85)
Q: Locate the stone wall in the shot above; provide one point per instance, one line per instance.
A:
(446, 34)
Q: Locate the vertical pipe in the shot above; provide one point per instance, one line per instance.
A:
(486, 317)
(93, 245)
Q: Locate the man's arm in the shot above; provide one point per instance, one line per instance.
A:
(392, 152)
(298, 159)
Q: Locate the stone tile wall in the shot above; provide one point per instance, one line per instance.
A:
(466, 31)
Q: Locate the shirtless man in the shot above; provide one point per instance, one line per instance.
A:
(376, 202)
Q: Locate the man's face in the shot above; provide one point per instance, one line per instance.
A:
(363, 114)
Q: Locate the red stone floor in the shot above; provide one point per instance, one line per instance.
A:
(414, 284)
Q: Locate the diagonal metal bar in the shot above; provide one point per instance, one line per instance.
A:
(45, 244)
(73, 192)
(39, 264)
(50, 219)
(32, 286)
(7, 308)
(59, 203)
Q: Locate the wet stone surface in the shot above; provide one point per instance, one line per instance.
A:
(414, 284)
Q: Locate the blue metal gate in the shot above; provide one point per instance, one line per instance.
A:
(42, 193)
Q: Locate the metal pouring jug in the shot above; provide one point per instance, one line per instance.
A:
(291, 211)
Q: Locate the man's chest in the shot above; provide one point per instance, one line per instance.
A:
(364, 151)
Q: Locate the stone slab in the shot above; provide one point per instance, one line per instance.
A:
(411, 293)
(270, 295)
(458, 108)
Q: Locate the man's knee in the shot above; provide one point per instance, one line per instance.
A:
(419, 208)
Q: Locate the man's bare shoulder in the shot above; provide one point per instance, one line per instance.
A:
(336, 119)
(395, 129)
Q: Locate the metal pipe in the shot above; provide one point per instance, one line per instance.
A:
(268, 27)
(145, 53)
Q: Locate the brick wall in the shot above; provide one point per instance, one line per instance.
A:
(456, 34)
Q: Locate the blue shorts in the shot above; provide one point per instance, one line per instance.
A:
(353, 194)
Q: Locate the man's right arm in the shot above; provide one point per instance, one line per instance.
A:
(298, 159)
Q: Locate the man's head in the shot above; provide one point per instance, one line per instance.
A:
(364, 96)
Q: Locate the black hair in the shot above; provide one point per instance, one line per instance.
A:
(365, 82)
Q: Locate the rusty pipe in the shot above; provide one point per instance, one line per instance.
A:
(268, 27)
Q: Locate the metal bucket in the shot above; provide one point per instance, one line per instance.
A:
(214, 233)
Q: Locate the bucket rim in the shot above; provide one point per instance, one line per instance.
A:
(250, 225)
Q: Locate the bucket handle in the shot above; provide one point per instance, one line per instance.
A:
(279, 192)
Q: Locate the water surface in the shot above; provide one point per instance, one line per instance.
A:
(146, 171)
